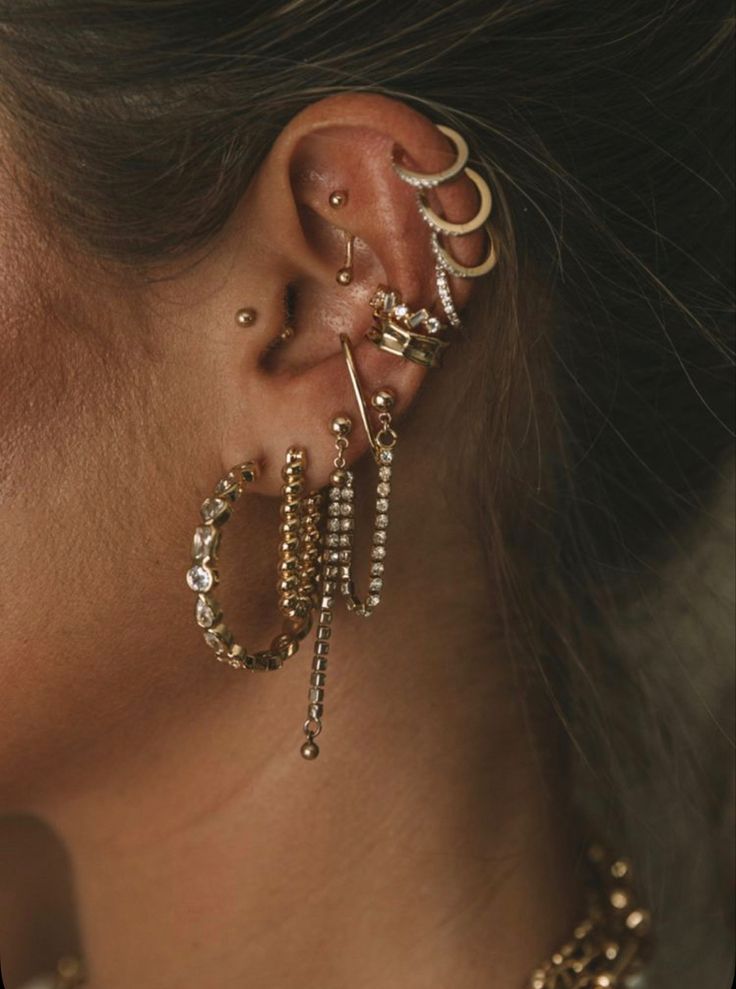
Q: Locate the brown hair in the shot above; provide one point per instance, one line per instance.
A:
(606, 129)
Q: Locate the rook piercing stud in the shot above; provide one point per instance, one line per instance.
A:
(338, 198)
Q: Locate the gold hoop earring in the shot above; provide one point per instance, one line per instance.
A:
(422, 180)
(203, 577)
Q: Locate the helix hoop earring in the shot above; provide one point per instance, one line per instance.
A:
(203, 576)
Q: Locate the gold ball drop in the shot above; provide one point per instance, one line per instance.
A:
(338, 198)
(310, 750)
(245, 317)
(345, 276)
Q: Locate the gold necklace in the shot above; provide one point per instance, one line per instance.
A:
(611, 944)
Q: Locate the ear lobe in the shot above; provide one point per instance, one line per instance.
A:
(343, 144)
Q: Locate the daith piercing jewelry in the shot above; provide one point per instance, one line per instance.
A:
(396, 329)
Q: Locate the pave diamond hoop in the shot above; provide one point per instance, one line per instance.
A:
(426, 180)
(203, 577)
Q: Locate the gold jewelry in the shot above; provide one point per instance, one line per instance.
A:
(342, 493)
(246, 316)
(395, 326)
(446, 261)
(299, 546)
(422, 180)
(339, 527)
(203, 576)
(440, 225)
(612, 943)
(345, 274)
(338, 198)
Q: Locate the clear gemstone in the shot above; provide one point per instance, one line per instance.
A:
(379, 538)
(333, 539)
(384, 489)
(386, 456)
(334, 556)
(345, 539)
(335, 494)
(376, 585)
(333, 525)
(433, 325)
(348, 494)
(200, 578)
(334, 508)
(213, 640)
(382, 505)
(384, 473)
(204, 542)
(373, 601)
(205, 613)
(347, 524)
(378, 553)
(377, 569)
(212, 508)
(401, 311)
(346, 508)
(227, 485)
(382, 521)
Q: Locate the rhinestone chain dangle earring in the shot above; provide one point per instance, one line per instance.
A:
(339, 526)
(382, 445)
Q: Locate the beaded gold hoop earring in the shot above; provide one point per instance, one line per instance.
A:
(203, 575)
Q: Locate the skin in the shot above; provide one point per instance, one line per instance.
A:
(157, 809)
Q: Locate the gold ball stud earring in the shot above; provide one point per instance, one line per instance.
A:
(246, 316)
(338, 198)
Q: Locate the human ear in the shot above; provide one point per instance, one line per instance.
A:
(295, 236)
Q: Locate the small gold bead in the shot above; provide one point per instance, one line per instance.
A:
(338, 477)
(310, 750)
(341, 426)
(619, 899)
(345, 276)
(338, 198)
(245, 317)
(384, 400)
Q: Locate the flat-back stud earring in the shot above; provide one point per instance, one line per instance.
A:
(246, 316)
(345, 274)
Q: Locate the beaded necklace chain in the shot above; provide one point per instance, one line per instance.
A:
(608, 948)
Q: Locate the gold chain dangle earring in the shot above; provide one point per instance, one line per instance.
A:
(382, 446)
(337, 540)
